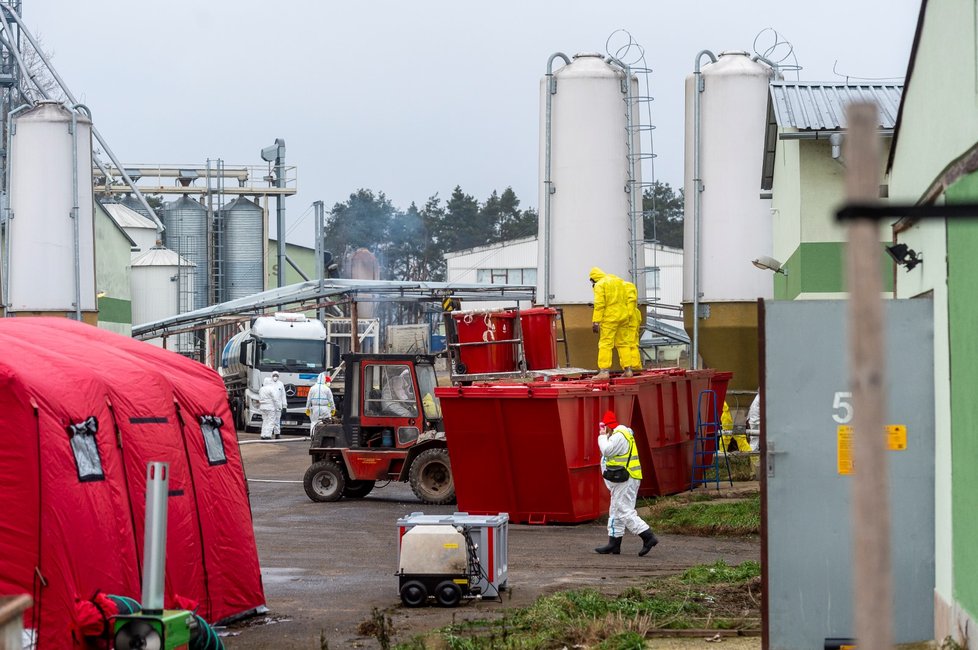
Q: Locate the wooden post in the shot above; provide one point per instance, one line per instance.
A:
(872, 581)
(354, 327)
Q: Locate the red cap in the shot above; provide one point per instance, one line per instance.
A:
(609, 419)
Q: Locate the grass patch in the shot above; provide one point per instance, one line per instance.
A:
(714, 596)
(706, 516)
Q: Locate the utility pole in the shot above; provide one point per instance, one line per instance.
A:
(276, 154)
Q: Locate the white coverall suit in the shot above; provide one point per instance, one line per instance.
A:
(319, 403)
(621, 512)
(268, 405)
(282, 401)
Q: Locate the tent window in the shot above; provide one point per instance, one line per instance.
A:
(210, 426)
(85, 449)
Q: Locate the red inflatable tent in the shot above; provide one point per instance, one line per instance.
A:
(82, 411)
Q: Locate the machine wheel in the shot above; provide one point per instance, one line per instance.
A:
(358, 489)
(431, 477)
(448, 594)
(324, 481)
(414, 594)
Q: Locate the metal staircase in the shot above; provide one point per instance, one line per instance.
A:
(707, 446)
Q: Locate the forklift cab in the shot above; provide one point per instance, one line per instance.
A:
(390, 400)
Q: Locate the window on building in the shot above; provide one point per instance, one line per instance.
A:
(507, 276)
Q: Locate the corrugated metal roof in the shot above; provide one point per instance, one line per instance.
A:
(159, 256)
(820, 106)
(127, 218)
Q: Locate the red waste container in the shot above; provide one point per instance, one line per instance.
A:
(530, 450)
(539, 337)
(482, 328)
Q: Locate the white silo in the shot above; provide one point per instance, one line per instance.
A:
(156, 294)
(725, 145)
(49, 251)
(586, 214)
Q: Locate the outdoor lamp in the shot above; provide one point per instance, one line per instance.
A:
(904, 255)
(766, 263)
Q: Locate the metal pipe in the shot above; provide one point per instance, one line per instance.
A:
(154, 538)
(547, 181)
(76, 230)
(71, 98)
(296, 267)
(697, 203)
(7, 214)
(320, 257)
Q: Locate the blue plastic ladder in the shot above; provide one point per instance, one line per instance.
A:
(708, 443)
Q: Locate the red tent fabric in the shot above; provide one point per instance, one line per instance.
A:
(73, 493)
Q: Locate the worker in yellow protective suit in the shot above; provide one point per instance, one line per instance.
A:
(611, 320)
(634, 325)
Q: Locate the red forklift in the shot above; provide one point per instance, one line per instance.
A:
(389, 429)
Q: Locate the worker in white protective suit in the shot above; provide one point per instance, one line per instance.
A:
(268, 405)
(282, 401)
(622, 472)
(398, 396)
(754, 422)
(319, 403)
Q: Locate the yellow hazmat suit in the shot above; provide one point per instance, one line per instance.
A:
(634, 331)
(612, 313)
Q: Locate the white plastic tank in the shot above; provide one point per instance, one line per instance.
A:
(156, 292)
(45, 158)
(590, 207)
(735, 223)
(140, 229)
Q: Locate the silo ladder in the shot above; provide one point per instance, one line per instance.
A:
(707, 445)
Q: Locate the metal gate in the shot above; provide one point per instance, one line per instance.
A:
(808, 534)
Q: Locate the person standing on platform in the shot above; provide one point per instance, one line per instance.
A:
(611, 321)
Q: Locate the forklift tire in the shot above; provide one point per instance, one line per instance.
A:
(448, 594)
(324, 481)
(414, 594)
(358, 489)
(431, 477)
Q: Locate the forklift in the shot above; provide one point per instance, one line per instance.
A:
(389, 429)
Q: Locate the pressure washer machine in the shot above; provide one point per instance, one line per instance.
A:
(448, 558)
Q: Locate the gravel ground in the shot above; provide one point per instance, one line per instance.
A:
(326, 566)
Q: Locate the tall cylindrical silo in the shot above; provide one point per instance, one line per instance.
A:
(135, 205)
(186, 224)
(734, 222)
(244, 250)
(50, 247)
(155, 284)
(590, 218)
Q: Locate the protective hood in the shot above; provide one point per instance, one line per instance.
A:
(596, 273)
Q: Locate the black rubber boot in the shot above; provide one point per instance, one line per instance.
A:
(613, 546)
(649, 540)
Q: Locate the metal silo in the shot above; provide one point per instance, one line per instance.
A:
(587, 217)
(49, 249)
(726, 222)
(135, 205)
(244, 248)
(185, 223)
(156, 294)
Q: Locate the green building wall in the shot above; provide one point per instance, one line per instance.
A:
(305, 259)
(112, 255)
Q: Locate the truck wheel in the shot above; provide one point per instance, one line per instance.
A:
(324, 481)
(358, 489)
(239, 415)
(414, 594)
(448, 594)
(431, 477)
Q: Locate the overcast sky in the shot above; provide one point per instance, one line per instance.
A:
(409, 97)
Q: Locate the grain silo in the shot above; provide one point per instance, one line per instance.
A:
(726, 222)
(243, 248)
(50, 233)
(588, 140)
(156, 293)
(186, 233)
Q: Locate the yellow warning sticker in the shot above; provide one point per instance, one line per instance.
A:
(896, 437)
(896, 440)
(451, 545)
(844, 453)
(460, 581)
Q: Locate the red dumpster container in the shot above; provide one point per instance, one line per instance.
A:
(539, 337)
(530, 449)
(484, 327)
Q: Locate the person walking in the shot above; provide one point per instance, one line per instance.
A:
(319, 402)
(282, 402)
(268, 405)
(611, 320)
(622, 472)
